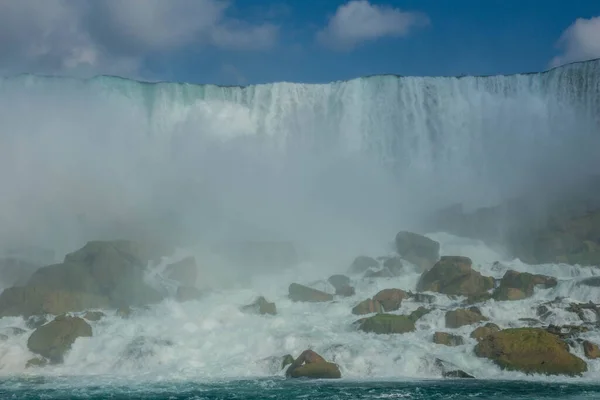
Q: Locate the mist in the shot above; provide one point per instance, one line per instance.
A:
(336, 169)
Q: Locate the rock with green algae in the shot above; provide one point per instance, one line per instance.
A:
(530, 350)
(386, 324)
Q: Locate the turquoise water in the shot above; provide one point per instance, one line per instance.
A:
(282, 389)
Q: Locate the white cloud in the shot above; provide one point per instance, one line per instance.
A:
(88, 37)
(579, 42)
(359, 21)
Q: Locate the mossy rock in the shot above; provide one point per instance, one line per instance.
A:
(320, 370)
(391, 299)
(417, 249)
(461, 317)
(453, 275)
(306, 294)
(54, 339)
(530, 350)
(368, 306)
(447, 339)
(386, 324)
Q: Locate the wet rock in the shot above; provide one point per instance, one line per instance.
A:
(484, 331)
(261, 306)
(391, 299)
(594, 281)
(54, 339)
(580, 310)
(143, 347)
(188, 293)
(361, 264)
(386, 324)
(418, 313)
(394, 265)
(530, 321)
(418, 249)
(94, 316)
(36, 362)
(461, 317)
(567, 331)
(453, 275)
(520, 285)
(184, 271)
(423, 298)
(449, 370)
(457, 374)
(339, 281)
(478, 298)
(36, 321)
(530, 350)
(286, 360)
(368, 306)
(447, 339)
(345, 291)
(306, 294)
(311, 365)
(591, 350)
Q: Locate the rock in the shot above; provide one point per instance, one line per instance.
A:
(530, 321)
(580, 310)
(36, 321)
(386, 324)
(368, 306)
(339, 281)
(484, 331)
(39, 300)
(188, 293)
(124, 312)
(345, 291)
(184, 271)
(478, 298)
(418, 314)
(418, 249)
(594, 281)
(361, 264)
(54, 339)
(450, 370)
(304, 293)
(311, 365)
(94, 316)
(530, 350)
(457, 374)
(394, 265)
(453, 275)
(391, 299)
(423, 298)
(286, 360)
(381, 273)
(36, 362)
(566, 331)
(261, 306)
(519, 285)
(447, 339)
(591, 350)
(461, 317)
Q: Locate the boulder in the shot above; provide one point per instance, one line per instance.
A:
(54, 339)
(94, 316)
(453, 275)
(30, 301)
(386, 324)
(261, 306)
(36, 321)
(591, 350)
(418, 313)
(361, 264)
(519, 285)
(447, 339)
(339, 281)
(368, 306)
(286, 360)
(423, 298)
(450, 370)
(304, 293)
(484, 331)
(345, 291)
(188, 293)
(36, 362)
(391, 299)
(394, 265)
(418, 249)
(461, 317)
(184, 271)
(311, 365)
(530, 350)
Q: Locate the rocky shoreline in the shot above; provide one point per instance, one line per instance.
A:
(61, 302)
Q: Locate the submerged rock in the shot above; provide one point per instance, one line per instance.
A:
(36, 321)
(386, 324)
(261, 306)
(306, 294)
(311, 365)
(54, 339)
(417, 249)
(453, 275)
(461, 317)
(530, 350)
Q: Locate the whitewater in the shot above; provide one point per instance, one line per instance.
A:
(338, 169)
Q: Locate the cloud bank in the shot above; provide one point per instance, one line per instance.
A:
(579, 42)
(86, 37)
(359, 21)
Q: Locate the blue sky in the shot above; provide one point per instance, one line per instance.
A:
(251, 41)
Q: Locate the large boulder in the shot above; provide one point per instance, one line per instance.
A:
(453, 275)
(386, 324)
(361, 264)
(54, 339)
(184, 271)
(530, 350)
(519, 285)
(482, 332)
(391, 299)
(417, 249)
(304, 293)
(39, 300)
(311, 365)
(341, 283)
(462, 317)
